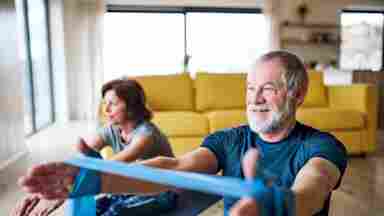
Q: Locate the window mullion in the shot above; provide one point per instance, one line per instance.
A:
(29, 66)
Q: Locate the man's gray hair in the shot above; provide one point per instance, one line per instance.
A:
(294, 73)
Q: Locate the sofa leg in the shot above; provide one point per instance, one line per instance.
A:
(359, 155)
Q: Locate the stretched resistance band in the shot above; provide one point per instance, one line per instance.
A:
(219, 185)
(83, 205)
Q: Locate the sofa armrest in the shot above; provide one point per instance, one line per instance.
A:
(360, 97)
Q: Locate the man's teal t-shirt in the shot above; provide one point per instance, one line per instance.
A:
(284, 158)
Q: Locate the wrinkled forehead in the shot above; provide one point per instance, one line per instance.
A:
(264, 72)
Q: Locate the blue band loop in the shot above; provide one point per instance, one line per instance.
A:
(274, 200)
(87, 182)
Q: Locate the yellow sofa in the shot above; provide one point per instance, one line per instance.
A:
(188, 109)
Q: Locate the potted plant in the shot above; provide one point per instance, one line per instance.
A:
(302, 10)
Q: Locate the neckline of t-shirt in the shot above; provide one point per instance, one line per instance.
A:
(137, 126)
(278, 143)
(131, 134)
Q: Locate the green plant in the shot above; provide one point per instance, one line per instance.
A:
(302, 10)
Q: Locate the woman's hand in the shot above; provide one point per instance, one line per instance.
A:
(32, 205)
(26, 206)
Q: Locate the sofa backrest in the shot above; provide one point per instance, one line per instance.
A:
(317, 91)
(168, 92)
(220, 91)
(213, 91)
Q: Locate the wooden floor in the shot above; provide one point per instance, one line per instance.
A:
(361, 192)
(362, 189)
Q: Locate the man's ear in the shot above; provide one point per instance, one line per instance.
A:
(300, 96)
(297, 96)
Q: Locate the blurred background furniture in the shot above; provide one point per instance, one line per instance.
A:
(189, 109)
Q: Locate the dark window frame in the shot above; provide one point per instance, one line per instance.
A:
(30, 71)
(163, 9)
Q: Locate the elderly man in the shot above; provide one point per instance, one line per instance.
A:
(307, 163)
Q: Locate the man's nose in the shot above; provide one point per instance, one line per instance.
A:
(256, 98)
(259, 98)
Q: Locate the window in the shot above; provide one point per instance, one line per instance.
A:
(143, 43)
(38, 101)
(151, 41)
(220, 42)
(361, 40)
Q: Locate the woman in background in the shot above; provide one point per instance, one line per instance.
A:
(132, 137)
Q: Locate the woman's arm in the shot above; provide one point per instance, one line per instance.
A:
(136, 149)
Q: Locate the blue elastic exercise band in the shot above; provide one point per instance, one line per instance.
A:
(84, 205)
(219, 185)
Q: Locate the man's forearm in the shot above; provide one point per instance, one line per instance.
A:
(117, 184)
(307, 205)
(313, 185)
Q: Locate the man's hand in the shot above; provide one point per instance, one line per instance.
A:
(49, 181)
(247, 206)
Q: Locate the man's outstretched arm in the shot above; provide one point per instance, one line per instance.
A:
(313, 184)
(53, 180)
(201, 160)
(311, 188)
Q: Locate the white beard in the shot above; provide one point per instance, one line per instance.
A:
(274, 123)
(265, 126)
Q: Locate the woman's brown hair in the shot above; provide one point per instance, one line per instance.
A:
(131, 92)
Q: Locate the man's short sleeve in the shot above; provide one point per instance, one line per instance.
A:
(328, 147)
(215, 143)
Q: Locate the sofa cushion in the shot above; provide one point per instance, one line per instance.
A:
(316, 95)
(182, 145)
(320, 118)
(181, 124)
(353, 140)
(168, 92)
(220, 91)
(328, 118)
(225, 119)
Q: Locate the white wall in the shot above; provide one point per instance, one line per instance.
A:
(73, 57)
(60, 77)
(82, 76)
(12, 142)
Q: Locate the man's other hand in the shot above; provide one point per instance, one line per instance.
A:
(247, 206)
(50, 180)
